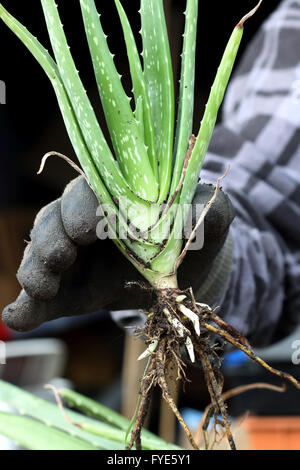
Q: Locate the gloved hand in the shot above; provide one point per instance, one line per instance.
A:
(67, 271)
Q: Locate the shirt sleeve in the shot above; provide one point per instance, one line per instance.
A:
(259, 137)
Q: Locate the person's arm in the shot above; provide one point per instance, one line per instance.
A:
(260, 138)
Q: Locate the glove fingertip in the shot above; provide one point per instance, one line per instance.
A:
(24, 314)
(36, 279)
(220, 215)
(78, 212)
(50, 241)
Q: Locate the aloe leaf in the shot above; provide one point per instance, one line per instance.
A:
(185, 107)
(92, 408)
(139, 86)
(34, 435)
(186, 95)
(92, 133)
(50, 67)
(132, 421)
(159, 81)
(128, 143)
(111, 433)
(139, 114)
(96, 410)
(49, 413)
(100, 435)
(210, 116)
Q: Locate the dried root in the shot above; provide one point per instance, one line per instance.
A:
(203, 425)
(177, 322)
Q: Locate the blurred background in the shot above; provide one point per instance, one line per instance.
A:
(91, 354)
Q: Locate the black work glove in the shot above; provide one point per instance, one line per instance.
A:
(67, 271)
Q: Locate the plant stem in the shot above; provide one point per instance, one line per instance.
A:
(166, 282)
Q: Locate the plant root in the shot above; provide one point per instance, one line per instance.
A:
(177, 323)
(160, 369)
(208, 412)
(145, 392)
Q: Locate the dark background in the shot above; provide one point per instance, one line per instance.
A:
(31, 125)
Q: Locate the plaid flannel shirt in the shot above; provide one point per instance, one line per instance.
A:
(259, 136)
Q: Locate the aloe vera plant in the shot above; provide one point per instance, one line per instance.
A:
(148, 160)
(147, 182)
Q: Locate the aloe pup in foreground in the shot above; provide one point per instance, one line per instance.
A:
(146, 185)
